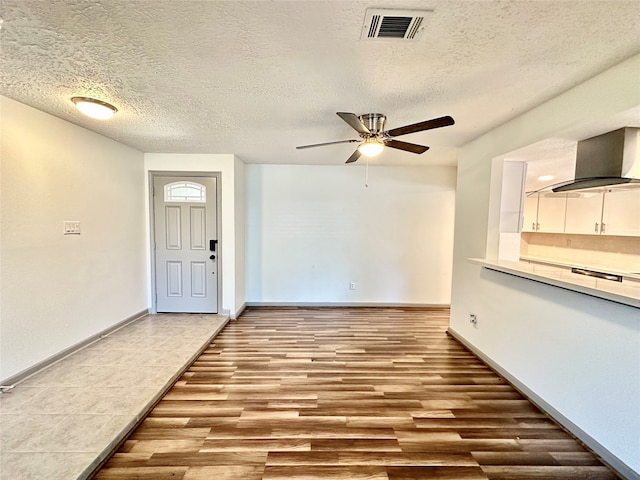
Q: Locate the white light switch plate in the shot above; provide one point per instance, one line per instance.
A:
(71, 227)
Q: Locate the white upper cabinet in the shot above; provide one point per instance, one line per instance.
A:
(610, 212)
(621, 213)
(584, 213)
(551, 212)
(544, 212)
(530, 213)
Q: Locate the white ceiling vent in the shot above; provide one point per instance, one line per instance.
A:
(390, 24)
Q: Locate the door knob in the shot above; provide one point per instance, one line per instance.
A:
(212, 257)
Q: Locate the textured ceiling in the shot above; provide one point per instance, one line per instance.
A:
(258, 78)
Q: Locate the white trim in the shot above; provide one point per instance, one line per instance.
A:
(239, 312)
(47, 362)
(345, 304)
(605, 455)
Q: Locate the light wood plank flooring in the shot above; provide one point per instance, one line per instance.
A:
(349, 394)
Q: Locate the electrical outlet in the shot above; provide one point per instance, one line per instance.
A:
(71, 227)
(352, 285)
(473, 319)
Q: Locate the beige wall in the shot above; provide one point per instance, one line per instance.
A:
(58, 290)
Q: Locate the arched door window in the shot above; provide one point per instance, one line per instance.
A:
(185, 192)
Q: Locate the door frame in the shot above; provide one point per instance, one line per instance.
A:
(152, 238)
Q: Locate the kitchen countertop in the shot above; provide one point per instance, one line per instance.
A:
(633, 274)
(626, 292)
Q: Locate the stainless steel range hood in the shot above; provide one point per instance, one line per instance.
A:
(607, 160)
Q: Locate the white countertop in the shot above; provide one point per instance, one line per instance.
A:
(629, 274)
(626, 292)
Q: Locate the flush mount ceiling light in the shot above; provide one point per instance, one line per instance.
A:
(94, 108)
(371, 147)
(545, 178)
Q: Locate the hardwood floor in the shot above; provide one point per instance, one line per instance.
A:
(349, 394)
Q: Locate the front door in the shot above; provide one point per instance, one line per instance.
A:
(186, 249)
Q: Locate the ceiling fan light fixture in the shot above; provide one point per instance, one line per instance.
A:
(371, 147)
(94, 108)
(374, 138)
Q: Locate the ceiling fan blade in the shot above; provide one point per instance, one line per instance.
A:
(408, 147)
(326, 143)
(419, 127)
(355, 123)
(354, 156)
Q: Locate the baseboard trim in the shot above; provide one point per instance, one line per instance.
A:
(239, 311)
(47, 362)
(347, 304)
(605, 455)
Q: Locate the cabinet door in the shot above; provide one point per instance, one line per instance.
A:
(530, 213)
(621, 213)
(551, 212)
(584, 213)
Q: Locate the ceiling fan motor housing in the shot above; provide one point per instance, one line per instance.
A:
(374, 122)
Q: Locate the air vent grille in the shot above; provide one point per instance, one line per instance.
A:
(387, 24)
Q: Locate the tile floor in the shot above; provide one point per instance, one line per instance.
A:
(61, 422)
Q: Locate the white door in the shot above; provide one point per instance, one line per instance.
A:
(186, 250)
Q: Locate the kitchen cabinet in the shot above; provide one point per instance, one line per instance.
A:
(610, 212)
(530, 213)
(545, 212)
(584, 213)
(552, 209)
(621, 213)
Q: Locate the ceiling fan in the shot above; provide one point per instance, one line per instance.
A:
(373, 137)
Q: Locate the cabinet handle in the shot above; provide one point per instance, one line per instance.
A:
(533, 226)
(602, 228)
(596, 230)
(537, 227)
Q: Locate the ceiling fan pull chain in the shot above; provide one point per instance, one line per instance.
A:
(366, 173)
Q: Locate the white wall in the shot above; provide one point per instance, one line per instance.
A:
(226, 164)
(59, 290)
(579, 354)
(313, 229)
(241, 244)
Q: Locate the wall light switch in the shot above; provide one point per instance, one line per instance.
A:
(71, 227)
